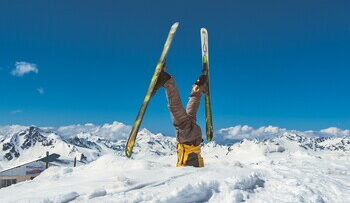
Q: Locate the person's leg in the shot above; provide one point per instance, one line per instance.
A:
(195, 135)
(177, 111)
(193, 103)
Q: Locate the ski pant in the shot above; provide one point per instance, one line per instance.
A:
(188, 133)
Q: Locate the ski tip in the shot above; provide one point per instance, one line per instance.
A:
(128, 153)
(204, 30)
(128, 150)
(175, 25)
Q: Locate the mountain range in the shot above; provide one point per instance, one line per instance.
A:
(19, 144)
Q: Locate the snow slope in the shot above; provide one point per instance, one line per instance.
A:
(284, 167)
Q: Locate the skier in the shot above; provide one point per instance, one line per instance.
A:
(188, 133)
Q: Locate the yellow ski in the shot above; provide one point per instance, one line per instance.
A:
(135, 128)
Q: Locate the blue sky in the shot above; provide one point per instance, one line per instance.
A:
(282, 63)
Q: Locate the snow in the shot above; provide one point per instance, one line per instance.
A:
(289, 166)
(10, 129)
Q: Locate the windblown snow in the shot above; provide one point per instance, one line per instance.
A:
(268, 164)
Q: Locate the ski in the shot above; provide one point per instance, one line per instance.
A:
(205, 71)
(135, 128)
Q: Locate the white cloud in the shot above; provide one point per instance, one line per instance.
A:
(16, 111)
(335, 131)
(41, 90)
(23, 68)
(246, 132)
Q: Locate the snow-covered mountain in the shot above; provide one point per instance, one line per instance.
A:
(267, 164)
(87, 142)
(19, 144)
